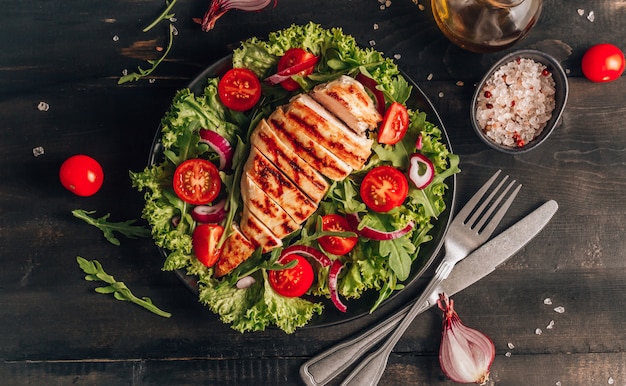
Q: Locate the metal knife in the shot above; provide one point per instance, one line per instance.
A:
(322, 368)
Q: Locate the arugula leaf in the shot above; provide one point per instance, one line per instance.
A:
(120, 291)
(108, 228)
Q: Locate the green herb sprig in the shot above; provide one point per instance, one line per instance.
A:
(95, 272)
(141, 73)
(125, 228)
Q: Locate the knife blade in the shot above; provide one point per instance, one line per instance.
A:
(322, 368)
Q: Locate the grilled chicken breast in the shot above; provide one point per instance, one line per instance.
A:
(325, 129)
(346, 98)
(291, 134)
(299, 171)
(291, 155)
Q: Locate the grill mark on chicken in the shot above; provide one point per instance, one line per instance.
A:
(257, 232)
(294, 167)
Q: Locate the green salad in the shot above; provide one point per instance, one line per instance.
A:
(371, 265)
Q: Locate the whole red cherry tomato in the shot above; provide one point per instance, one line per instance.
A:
(81, 175)
(603, 63)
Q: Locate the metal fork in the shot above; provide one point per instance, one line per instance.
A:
(471, 227)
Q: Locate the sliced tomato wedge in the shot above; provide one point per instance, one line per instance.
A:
(239, 89)
(394, 125)
(384, 188)
(197, 181)
(205, 239)
(292, 282)
(335, 244)
(295, 57)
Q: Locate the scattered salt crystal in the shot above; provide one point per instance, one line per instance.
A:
(580, 11)
(397, 56)
(440, 94)
(547, 301)
(37, 151)
(558, 383)
(430, 76)
(43, 106)
(611, 381)
(172, 19)
(559, 309)
(460, 83)
(508, 354)
(567, 71)
(174, 31)
(591, 16)
(382, 7)
(388, 3)
(538, 331)
(421, 7)
(510, 345)
(375, 26)
(372, 43)
(116, 38)
(151, 80)
(550, 325)
(125, 72)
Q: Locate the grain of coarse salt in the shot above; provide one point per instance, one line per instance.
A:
(591, 16)
(38, 150)
(559, 309)
(580, 11)
(610, 381)
(375, 26)
(116, 38)
(430, 76)
(538, 331)
(547, 301)
(508, 354)
(372, 43)
(550, 325)
(510, 345)
(397, 56)
(43, 106)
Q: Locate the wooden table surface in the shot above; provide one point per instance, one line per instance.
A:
(54, 330)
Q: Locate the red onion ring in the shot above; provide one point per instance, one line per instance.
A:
(421, 180)
(219, 145)
(307, 252)
(335, 268)
(209, 213)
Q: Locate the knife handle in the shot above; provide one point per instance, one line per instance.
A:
(324, 367)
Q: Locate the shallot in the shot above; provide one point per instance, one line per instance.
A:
(465, 354)
(220, 7)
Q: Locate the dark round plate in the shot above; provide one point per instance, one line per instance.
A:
(428, 251)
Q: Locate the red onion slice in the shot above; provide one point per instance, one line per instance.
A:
(285, 74)
(371, 84)
(306, 252)
(335, 268)
(419, 163)
(219, 145)
(209, 213)
(375, 234)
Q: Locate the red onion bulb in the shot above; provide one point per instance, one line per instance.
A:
(465, 354)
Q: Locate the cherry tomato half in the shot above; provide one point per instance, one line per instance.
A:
(239, 89)
(292, 282)
(81, 175)
(204, 241)
(384, 188)
(603, 63)
(394, 126)
(335, 244)
(197, 181)
(292, 57)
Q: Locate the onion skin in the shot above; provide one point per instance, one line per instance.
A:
(220, 7)
(466, 354)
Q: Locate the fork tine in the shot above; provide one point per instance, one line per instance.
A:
(493, 223)
(469, 207)
(492, 205)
